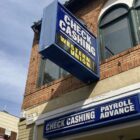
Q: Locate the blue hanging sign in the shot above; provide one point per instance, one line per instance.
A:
(113, 112)
(68, 43)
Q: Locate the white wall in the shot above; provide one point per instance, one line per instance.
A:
(8, 121)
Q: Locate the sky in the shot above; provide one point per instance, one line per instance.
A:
(16, 37)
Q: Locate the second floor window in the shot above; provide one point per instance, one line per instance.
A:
(50, 72)
(115, 31)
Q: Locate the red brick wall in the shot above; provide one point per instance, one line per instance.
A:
(33, 68)
(120, 63)
(2, 131)
(12, 137)
(90, 13)
(34, 95)
(115, 65)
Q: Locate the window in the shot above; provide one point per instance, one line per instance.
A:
(137, 3)
(137, 19)
(115, 31)
(50, 72)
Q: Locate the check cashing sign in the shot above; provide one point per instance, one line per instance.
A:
(106, 114)
(68, 43)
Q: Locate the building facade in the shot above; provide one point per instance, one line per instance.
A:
(53, 94)
(8, 126)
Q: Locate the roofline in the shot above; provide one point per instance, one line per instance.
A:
(9, 114)
(72, 5)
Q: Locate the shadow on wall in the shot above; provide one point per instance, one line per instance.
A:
(59, 100)
(64, 100)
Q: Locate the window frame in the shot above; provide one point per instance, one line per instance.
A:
(128, 15)
(41, 73)
(136, 16)
(135, 4)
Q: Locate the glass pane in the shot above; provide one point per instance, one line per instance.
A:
(52, 72)
(63, 72)
(117, 37)
(138, 21)
(110, 16)
(137, 3)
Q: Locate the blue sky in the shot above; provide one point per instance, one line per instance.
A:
(16, 38)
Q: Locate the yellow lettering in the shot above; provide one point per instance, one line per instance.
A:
(72, 50)
(88, 59)
(76, 53)
(88, 65)
(63, 40)
(68, 44)
(88, 62)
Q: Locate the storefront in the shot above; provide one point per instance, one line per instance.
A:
(105, 102)
(113, 115)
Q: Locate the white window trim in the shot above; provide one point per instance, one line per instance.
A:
(111, 3)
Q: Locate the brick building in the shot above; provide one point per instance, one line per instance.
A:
(51, 92)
